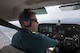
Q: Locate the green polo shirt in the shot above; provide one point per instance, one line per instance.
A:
(32, 42)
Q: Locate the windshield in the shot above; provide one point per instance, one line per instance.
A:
(53, 15)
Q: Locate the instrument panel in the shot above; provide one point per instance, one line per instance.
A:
(67, 34)
(53, 30)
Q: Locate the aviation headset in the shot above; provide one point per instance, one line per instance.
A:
(25, 19)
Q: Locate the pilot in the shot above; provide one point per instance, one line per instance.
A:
(26, 40)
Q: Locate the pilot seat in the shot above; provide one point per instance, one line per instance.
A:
(10, 49)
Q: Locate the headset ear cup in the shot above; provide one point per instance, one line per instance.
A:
(27, 23)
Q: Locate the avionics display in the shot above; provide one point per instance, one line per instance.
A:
(46, 29)
(50, 29)
(61, 31)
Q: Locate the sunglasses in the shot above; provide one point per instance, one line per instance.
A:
(34, 20)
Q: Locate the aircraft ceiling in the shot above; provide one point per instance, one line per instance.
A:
(10, 9)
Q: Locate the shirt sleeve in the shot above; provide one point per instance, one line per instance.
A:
(48, 42)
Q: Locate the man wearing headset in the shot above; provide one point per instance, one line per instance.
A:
(28, 41)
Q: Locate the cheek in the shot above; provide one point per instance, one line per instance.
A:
(35, 25)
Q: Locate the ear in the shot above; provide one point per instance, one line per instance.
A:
(25, 23)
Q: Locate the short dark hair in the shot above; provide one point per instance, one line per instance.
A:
(27, 13)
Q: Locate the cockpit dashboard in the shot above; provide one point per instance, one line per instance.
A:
(68, 35)
(55, 31)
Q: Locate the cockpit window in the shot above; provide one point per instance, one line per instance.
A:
(6, 35)
(54, 14)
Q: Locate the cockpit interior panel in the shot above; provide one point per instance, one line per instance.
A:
(68, 35)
